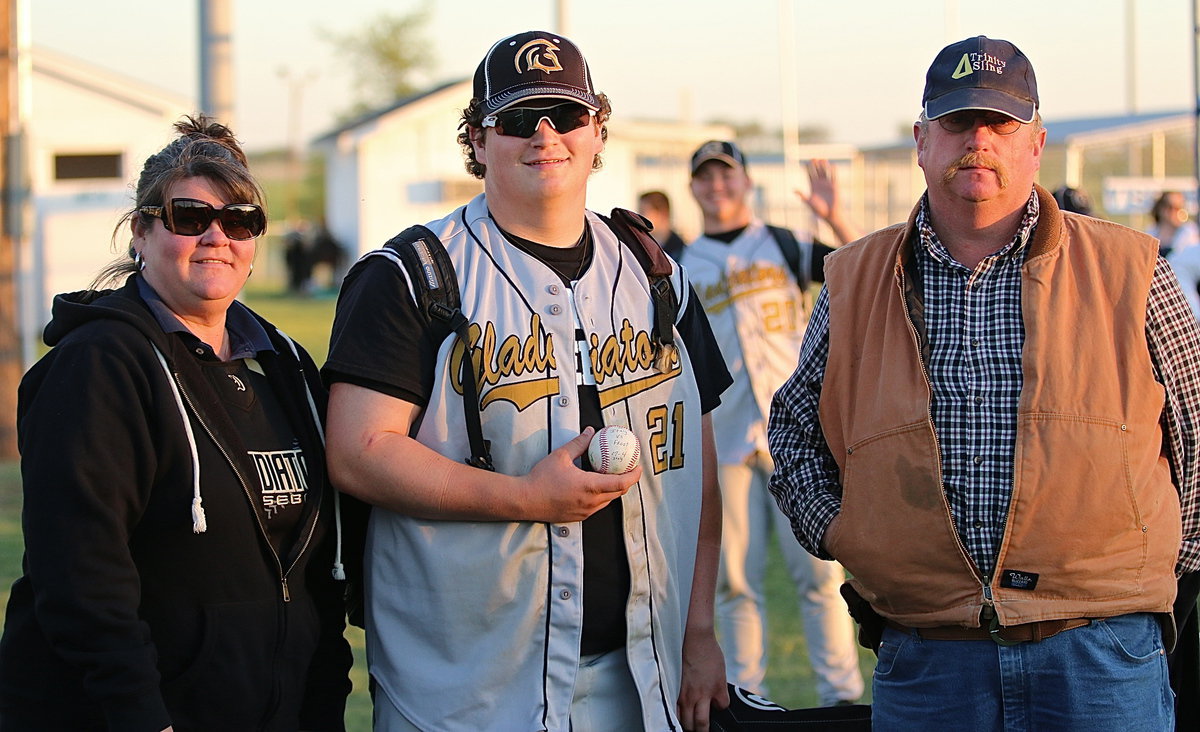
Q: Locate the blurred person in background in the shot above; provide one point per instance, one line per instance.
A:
(1186, 263)
(753, 279)
(1172, 225)
(656, 207)
(179, 562)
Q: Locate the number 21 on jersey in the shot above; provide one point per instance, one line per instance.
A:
(666, 437)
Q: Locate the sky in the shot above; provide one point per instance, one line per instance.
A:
(858, 65)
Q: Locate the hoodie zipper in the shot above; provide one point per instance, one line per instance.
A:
(283, 575)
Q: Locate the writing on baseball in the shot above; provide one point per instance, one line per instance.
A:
(614, 450)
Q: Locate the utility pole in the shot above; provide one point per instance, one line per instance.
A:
(295, 145)
(12, 185)
(562, 17)
(789, 104)
(1196, 92)
(1131, 94)
(14, 188)
(216, 60)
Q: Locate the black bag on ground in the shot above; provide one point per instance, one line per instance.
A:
(749, 712)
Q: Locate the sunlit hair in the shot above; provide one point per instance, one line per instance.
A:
(204, 149)
(472, 119)
(656, 200)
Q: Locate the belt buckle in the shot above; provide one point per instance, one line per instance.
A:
(994, 633)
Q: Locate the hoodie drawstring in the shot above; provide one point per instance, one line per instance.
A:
(199, 524)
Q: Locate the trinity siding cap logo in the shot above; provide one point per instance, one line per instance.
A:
(726, 152)
(533, 65)
(981, 73)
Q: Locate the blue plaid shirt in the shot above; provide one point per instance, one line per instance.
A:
(976, 334)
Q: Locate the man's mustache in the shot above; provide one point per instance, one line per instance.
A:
(976, 160)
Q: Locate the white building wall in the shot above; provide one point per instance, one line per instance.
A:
(342, 195)
(410, 168)
(80, 110)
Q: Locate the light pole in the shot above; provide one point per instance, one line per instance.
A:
(216, 60)
(295, 155)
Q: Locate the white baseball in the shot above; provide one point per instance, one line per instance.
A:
(614, 450)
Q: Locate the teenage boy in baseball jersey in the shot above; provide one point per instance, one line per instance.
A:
(540, 595)
(753, 290)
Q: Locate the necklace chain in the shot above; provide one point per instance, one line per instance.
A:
(584, 243)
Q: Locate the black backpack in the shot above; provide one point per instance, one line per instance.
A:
(786, 240)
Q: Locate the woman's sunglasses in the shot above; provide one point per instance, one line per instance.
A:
(189, 217)
(524, 121)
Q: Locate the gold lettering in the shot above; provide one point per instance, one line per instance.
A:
(628, 351)
(509, 358)
(515, 356)
(743, 282)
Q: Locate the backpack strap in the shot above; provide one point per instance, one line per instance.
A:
(634, 232)
(436, 289)
(791, 253)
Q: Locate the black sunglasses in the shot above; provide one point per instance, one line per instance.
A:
(957, 122)
(189, 217)
(524, 121)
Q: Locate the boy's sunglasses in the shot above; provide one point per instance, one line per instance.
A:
(189, 217)
(524, 121)
(1000, 124)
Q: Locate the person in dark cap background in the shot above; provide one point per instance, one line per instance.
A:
(520, 589)
(992, 426)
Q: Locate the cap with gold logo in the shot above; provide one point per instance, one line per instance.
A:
(981, 73)
(533, 64)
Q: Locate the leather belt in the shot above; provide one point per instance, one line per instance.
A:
(1005, 635)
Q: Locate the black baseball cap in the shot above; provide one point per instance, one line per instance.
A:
(981, 73)
(722, 150)
(533, 64)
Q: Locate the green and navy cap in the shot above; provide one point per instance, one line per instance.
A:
(981, 73)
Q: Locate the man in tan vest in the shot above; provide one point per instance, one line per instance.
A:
(992, 427)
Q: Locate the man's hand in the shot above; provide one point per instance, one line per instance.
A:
(823, 200)
(822, 183)
(558, 492)
(829, 532)
(703, 686)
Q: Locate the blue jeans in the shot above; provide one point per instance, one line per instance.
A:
(1110, 675)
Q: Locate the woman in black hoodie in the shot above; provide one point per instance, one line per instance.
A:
(180, 564)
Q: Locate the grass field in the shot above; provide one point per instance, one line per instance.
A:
(307, 320)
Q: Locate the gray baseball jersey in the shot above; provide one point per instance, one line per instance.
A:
(758, 315)
(477, 625)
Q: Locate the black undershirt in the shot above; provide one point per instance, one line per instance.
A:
(727, 236)
(819, 250)
(605, 568)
